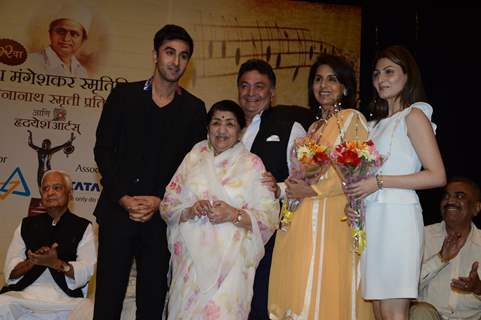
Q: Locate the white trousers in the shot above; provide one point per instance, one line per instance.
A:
(14, 307)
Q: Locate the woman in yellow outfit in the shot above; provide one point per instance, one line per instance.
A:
(314, 273)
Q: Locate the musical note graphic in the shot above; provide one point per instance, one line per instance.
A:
(229, 43)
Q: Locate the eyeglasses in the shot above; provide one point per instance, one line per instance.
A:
(63, 32)
(55, 187)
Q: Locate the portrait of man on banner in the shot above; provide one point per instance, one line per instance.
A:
(68, 31)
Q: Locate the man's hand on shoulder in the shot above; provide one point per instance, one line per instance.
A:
(270, 182)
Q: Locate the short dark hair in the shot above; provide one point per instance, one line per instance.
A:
(474, 186)
(230, 106)
(260, 66)
(345, 75)
(413, 90)
(173, 32)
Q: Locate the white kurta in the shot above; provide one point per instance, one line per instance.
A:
(213, 265)
(436, 276)
(43, 299)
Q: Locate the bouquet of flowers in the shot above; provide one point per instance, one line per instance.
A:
(309, 161)
(355, 161)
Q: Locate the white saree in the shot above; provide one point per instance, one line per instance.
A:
(213, 265)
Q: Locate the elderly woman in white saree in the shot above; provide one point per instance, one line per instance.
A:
(219, 216)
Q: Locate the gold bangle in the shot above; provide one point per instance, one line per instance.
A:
(379, 181)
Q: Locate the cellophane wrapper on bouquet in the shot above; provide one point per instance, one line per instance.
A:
(354, 161)
(309, 161)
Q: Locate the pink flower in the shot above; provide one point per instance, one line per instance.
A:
(173, 185)
(177, 248)
(211, 311)
(192, 299)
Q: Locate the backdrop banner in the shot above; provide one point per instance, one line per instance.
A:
(49, 116)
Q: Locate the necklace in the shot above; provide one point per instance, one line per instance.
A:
(324, 115)
(322, 121)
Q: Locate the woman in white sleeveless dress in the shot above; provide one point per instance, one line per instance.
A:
(403, 132)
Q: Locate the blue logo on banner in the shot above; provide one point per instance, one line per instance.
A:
(13, 181)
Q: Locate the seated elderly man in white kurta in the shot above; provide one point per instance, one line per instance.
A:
(50, 260)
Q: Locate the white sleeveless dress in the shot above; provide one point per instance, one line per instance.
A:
(391, 262)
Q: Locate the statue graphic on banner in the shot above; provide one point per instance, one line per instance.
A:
(44, 153)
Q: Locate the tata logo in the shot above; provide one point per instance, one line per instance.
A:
(86, 186)
(14, 184)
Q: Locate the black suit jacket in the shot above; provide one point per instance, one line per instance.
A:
(277, 122)
(120, 148)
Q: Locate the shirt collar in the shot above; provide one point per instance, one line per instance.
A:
(474, 235)
(148, 87)
(54, 61)
(257, 117)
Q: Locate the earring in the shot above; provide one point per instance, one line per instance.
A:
(344, 92)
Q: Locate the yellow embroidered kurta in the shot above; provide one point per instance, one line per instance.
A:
(314, 271)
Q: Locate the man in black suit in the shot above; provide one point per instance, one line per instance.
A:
(270, 134)
(144, 132)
